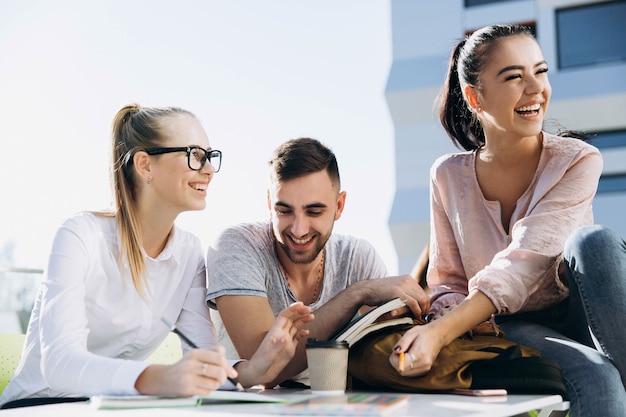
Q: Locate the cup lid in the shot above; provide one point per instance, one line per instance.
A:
(314, 343)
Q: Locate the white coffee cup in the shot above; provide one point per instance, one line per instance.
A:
(328, 366)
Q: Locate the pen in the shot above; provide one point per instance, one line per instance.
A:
(401, 365)
(194, 346)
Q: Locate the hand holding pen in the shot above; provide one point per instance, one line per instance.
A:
(194, 346)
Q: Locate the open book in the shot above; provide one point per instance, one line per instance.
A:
(366, 323)
(154, 401)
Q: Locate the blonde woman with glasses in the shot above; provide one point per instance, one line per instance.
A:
(115, 276)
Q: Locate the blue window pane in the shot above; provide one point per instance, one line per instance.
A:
(604, 140)
(612, 184)
(592, 34)
(470, 3)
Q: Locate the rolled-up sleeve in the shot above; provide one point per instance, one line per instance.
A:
(562, 204)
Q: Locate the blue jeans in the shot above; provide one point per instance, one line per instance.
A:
(594, 371)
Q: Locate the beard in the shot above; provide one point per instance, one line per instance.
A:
(303, 257)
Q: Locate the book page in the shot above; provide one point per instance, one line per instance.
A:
(355, 337)
(359, 323)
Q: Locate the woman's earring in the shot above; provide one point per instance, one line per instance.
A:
(150, 181)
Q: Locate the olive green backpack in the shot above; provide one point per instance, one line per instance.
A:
(483, 358)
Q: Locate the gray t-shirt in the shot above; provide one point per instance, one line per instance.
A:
(243, 262)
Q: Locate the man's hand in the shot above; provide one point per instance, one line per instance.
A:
(277, 348)
(405, 287)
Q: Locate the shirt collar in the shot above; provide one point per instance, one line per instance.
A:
(168, 252)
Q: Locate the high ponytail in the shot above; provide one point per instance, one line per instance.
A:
(460, 123)
(134, 128)
(466, 63)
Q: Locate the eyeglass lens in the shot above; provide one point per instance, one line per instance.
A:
(199, 156)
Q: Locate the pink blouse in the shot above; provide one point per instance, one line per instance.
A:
(518, 269)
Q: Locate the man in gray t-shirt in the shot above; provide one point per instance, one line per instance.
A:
(256, 270)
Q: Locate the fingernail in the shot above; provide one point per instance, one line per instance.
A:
(396, 348)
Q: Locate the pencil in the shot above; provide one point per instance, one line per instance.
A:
(401, 365)
(194, 346)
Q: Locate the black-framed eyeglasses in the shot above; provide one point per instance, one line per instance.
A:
(196, 156)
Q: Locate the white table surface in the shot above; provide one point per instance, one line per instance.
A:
(420, 405)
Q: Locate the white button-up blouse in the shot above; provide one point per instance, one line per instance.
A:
(90, 330)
